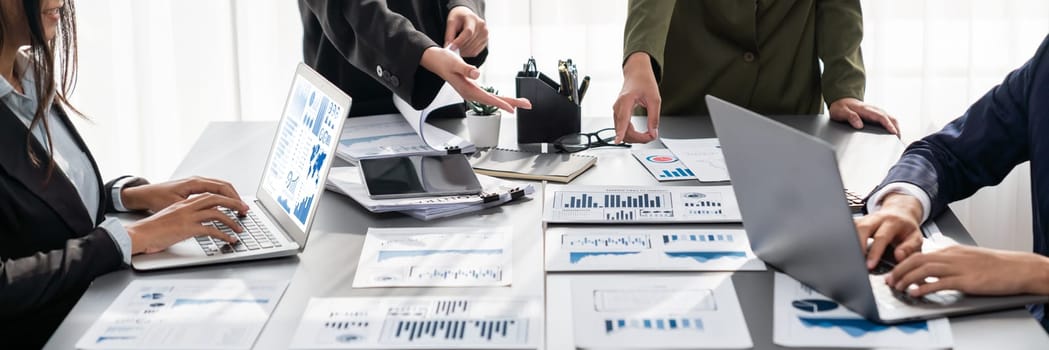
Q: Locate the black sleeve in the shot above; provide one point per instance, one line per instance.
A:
(34, 281)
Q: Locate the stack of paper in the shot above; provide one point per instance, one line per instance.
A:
(494, 192)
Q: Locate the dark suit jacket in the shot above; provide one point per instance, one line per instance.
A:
(50, 250)
(1007, 126)
(372, 48)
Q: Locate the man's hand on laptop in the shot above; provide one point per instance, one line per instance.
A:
(156, 197)
(972, 270)
(896, 223)
(183, 220)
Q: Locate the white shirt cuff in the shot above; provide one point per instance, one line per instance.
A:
(874, 202)
(118, 203)
(120, 236)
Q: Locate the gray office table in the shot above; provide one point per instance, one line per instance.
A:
(236, 151)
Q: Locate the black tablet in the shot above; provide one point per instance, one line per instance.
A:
(418, 176)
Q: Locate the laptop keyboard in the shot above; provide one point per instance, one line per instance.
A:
(254, 237)
(855, 201)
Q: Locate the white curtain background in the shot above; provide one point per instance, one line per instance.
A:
(154, 73)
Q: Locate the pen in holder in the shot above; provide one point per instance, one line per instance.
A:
(552, 115)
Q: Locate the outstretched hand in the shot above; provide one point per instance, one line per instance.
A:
(461, 75)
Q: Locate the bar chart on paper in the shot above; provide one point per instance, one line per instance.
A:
(434, 257)
(804, 317)
(422, 322)
(633, 204)
(663, 164)
(648, 248)
(702, 156)
(679, 312)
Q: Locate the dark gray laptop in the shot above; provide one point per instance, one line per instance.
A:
(798, 220)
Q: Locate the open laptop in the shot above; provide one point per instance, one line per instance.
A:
(798, 220)
(280, 215)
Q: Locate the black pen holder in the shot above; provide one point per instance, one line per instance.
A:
(552, 115)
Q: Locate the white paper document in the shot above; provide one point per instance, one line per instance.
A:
(185, 314)
(663, 164)
(649, 248)
(647, 312)
(435, 256)
(420, 323)
(702, 156)
(417, 118)
(390, 135)
(640, 204)
(806, 318)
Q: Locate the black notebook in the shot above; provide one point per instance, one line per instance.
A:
(509, 163)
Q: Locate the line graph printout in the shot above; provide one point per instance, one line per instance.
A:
(646, 312)
(308, 130)
(419, 323)
(648, 248)
(640, 204)
(702, 156)
(663, 164)
(185, 314)
(435, 256)
(806, 318)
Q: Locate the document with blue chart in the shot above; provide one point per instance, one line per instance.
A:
(390, 135)
(702, 156)
(306, 133)
(640, 204)
(649, 248)
(663, 164)
(185, 314)
(435, 256)
(698, 311)
(420, 323)
(806, 318)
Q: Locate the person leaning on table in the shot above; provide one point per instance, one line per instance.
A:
(54, 236)
(764, 55)
(373, 49)
(1007, 126)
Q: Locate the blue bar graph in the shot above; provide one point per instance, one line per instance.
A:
(494, 273)
(677, 172)
(577, 200)
(455, 331)
(702, 237)
(654, 325)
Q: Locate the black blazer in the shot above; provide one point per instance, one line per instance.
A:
(372, 48)
(50, 250)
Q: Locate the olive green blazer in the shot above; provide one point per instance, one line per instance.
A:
(763, 54)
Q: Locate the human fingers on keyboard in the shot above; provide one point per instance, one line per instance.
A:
(215, 214)
(883, 236)
(916, 268)
(216, 234)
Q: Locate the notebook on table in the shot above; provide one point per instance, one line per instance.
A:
(509, 163)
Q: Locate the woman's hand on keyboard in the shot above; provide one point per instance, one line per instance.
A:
(184, 219)
(156, 197)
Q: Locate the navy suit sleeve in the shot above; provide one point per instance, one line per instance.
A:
(982, 146)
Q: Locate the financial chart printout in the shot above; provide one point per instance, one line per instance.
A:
(648, 248)
(420, 323)
(304, 137)
(435, 256)
(664, 312)
(640, 204)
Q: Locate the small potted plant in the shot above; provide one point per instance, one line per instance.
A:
(483, 122)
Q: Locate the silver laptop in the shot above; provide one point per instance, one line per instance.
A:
(283, 209)
(798, 220)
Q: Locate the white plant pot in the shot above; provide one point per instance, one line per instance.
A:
(484, 129)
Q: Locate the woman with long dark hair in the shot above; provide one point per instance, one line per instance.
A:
(54, 236)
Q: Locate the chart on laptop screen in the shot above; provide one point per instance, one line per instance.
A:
(306, 133)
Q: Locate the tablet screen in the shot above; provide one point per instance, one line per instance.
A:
(415, 176)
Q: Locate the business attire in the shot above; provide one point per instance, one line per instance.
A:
(54, 236)
(1005, 127)
(763, 54)
(371, 49)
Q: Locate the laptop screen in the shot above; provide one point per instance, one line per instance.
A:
(308, 131)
